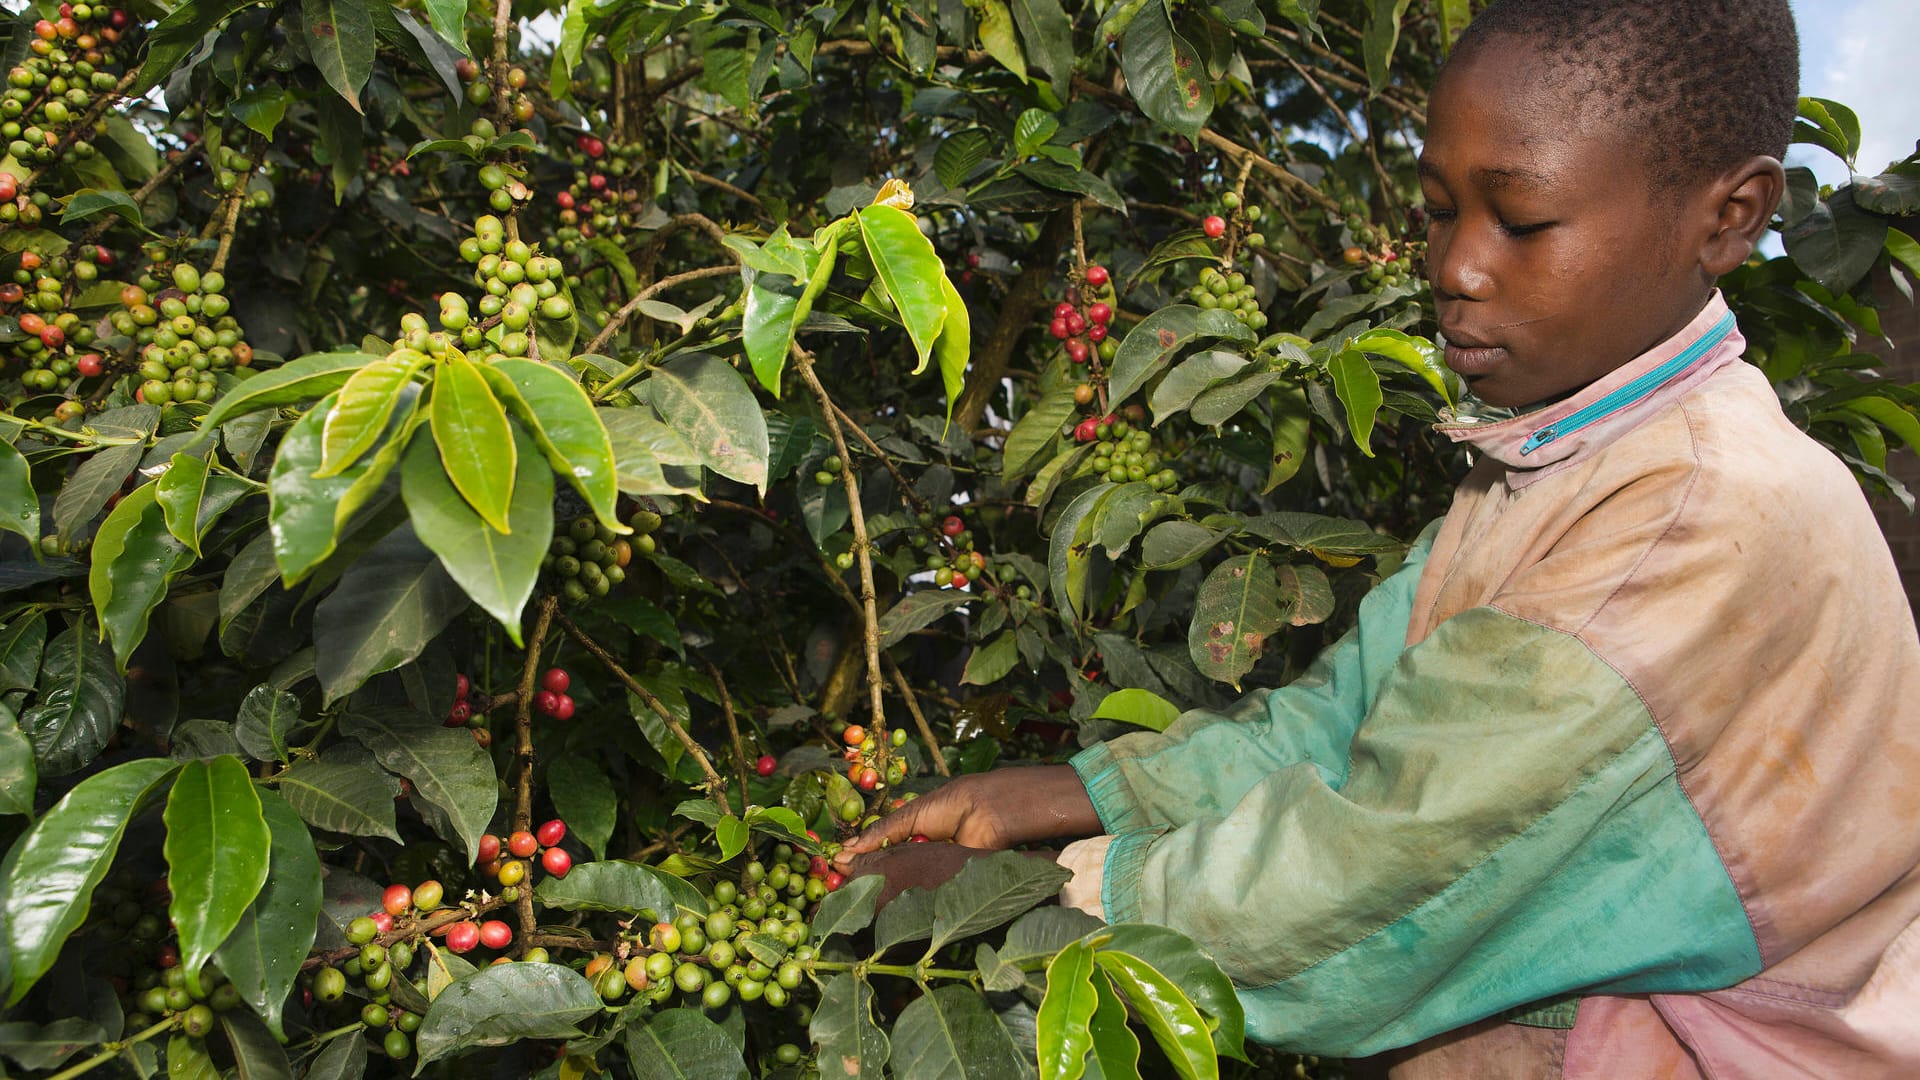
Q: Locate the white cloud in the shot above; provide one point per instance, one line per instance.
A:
(1859, 52)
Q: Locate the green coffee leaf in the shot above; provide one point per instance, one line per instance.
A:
(134, 560)
(682, 1044)
(1172, 1019)
(268, 717)
(307, 513)
(263, 954)
(1143, 708)
(619, 886)
(954, 346)
(704, 399)
(768, 323)
(217, 849)
(1116, 1049)
(98, 479)
(1036, 431)
(906, 263)
(1828, 124)
(18, 774)
(256, 1054)
(448, 769)
(952, 1033)
(392, 601)
(51, 871)
(1048, 36)
(21, 644)
(476, 444)
(340, 37)
(307, 379)
(1165, 74)
(909, 917)
(1292, 436)
(1044, 931)
(31, 1046)
(342, 794)
(989, 663)
(503, 1004)
(584, 798)
(344, 1058)
(363, 406)
(19, 503)
(551, 405)
(850, 908)
(80, 704)
(1189, 378)
(917, 611)
(1148, 347)
(990, 890)
(1181, 961)
(844, 1030)
(1065, 1012)
(497, 570)
(1237, 608)
(1358, 387)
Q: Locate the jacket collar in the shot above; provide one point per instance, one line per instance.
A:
(1529, 444)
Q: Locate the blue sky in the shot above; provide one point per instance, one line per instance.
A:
(1860, 53)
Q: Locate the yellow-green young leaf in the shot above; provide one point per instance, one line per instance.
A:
(217, 847)
(1068, 1007)
(496, 569)
(476, 445)
(361, 410)
(134, 559)
(19, 505)
(1889, 414)
(997, 35)
(1135, 706)
(295, 381)
(1172, 1019)
(1358, 388)
(551, 404)
(954, 344)
(309, 513)
(911, 270)
(51, 871)
(1417, 355)
(192, 497)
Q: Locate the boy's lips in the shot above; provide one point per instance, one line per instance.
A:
(1472, 357)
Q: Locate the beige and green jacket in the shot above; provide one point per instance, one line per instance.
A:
(1618, 776)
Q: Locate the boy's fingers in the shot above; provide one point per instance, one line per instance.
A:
(893, 828)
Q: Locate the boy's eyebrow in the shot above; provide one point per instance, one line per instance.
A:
(1497, 178)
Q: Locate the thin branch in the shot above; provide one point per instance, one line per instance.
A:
(919, 718)
(523, 748)
(733, 728)
(1379, 171)
(235, 200)
(408, 927)
(716, 786)
(739, 193)
(626, 311)
(907, 494)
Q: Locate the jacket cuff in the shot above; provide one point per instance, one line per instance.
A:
(1121, 873)
(1106, 787)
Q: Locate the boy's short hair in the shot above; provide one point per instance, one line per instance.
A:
(1709, 82)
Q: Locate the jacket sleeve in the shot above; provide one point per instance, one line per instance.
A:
(1205, 762)
(1509, 828)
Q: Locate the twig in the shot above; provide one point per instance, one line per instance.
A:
(523, 748)
(733, 728)
(715, 785)
(919, 718)
(739, 193)
(863, 553)
(111, 1050)
(907, 494)
(1379, 171)
(406, 928)
(626, 311)
(1287, 180)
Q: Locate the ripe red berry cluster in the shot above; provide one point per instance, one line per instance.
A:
(506, 861)
(1083, 325)
(552, 698)
(862, 755)
(462, 713)
(607, 198)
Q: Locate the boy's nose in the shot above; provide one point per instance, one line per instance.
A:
(1456, 269)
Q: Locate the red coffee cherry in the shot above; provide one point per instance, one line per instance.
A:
(551, 832)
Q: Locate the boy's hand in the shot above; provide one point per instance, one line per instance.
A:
(925, 866)
(987, 811)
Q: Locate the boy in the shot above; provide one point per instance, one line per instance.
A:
(1617, 777)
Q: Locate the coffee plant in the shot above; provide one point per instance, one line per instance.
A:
(493, 495)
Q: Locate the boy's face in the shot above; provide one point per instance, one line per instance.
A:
(1552, 257)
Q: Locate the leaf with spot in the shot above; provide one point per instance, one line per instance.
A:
(851, 1044)
(503, 1004)
(48, 878)
(262, 956)
(217, 849)
(1237, 607)
(1165, 73)
(1292, 435)
(1149, 347)
(704, 399)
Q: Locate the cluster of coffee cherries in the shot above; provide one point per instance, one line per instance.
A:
(54, 347)
(51, 90)
(184, 331)
(479, 91)
(505, 189)
(143, 964)
(607, 197)
(1229, 292)
(507, 861)
(1239, 215)
(862, 755)
(1081, 320)
(172, 994)
(552, 699)
(590, 559)
(751, 944)
(19, 208)
(231, 170)
(1391, 264)
(1123, 453)
(520, 285)
(368, 974)
(462, 713)
(950, 551)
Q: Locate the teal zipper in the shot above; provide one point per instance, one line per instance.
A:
(1633, 391)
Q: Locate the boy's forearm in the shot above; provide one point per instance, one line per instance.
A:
(1056, 803)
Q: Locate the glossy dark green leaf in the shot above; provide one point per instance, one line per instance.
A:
(1165, 74)
(1116, 1049)
(342, 795)
(584, 798)
(907, 917)
(90, 203)
(503, 1004)
(449, 21)
(307, 379)
(497, 570)
(916, 611)
(256, 1054)
(262, 956)
(1358, 387)
(1182, 962)
(850, 908)
(731, 834)
(1048, 37)
(21, 644)
(364, 404)
(1172, 1019)
(448, 769)
(682, 1044)
(618, 886)
(989, 663)
(1836, 243)
(704, 399)
(1044, 931)
(268, 717)
(388, 606)
(991, 890)
(174, 37)
(843, 1028)
(97, 479)
(1416, 354)
(307, 512)
(344, 1058)
(178, 492)
(1065, 1011)
(1148, 347)
(642, 446)
(1189, 378)
(261, 108)
(51, 871)
(1237, 608)
(19, 503)
(134, 560)
(476, 443)
(1320, 534)
(252, 571)
(768, 323)
(188, 1059)
(80, 702)
(1828, 124)
(951, 1034)
(550, 404)
(340, 38)
(1292, 436)
(32, 1046)
(909, 267)
(18, 774)
(217, 849)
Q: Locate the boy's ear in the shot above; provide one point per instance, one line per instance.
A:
(1746, 197)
